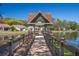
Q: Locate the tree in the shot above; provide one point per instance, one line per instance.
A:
(73, 25)
(25, 22)
(13, 28)
(58, 24)
(1, 18)
(14, 22)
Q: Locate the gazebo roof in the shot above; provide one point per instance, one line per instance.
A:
(47, 16)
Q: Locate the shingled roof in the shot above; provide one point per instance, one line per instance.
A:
(47, 16)
(4, 25)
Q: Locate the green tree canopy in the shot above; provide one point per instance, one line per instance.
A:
(1, 18)
(13, 21)
(73, 25)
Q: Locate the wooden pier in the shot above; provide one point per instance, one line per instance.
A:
(32, 45)
(39, 47)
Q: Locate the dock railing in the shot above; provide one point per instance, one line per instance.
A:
(57, 46)
(17, 42)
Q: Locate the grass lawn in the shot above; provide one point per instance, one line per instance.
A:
(2, 33)
(67, 52)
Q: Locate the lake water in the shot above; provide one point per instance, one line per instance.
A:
(71, 39)
(69, 36)
(5, 47)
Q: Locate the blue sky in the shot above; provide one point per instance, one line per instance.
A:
(69, 12)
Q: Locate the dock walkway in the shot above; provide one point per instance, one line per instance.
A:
(39, 47)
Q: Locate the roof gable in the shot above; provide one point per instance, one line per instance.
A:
(48, 17)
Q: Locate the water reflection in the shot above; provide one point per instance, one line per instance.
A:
(5, 47)
(71, 38)
(67, 35)
(74, 39)
(73, 42)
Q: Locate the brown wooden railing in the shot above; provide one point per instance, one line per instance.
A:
(15, 43)
(57, 46)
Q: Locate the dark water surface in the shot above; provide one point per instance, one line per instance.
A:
(71, 40)
(5, 46)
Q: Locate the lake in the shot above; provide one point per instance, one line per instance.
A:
(71, 39)
(6, 46)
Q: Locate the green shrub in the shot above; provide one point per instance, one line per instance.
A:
(13, 28)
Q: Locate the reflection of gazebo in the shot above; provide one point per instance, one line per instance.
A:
(4, 27)
(39, 20)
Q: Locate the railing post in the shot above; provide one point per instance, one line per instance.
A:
(10, 46)
(52, 46)
(76, 53)
(61, 47)
(23, 36)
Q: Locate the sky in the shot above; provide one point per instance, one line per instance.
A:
(63, 11)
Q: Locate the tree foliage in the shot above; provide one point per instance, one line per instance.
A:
(1, 18)
(60, 24)
(57, 25)
(13, 22)
(73, 25)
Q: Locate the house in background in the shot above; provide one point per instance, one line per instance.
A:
(19, 27)
(4, 27)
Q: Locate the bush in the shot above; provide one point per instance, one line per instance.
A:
(13, 29)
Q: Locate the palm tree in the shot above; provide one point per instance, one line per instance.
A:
(1, 18)
(58, 24)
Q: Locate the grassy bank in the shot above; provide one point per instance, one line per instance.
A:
(23, 32)
(11, 33)
(65, 31)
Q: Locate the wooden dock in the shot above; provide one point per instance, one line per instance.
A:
(39, 47)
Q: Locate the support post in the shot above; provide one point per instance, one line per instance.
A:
(34, 28)
(2, 28)
(45, 27)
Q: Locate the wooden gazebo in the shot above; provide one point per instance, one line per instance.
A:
(39, 20)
